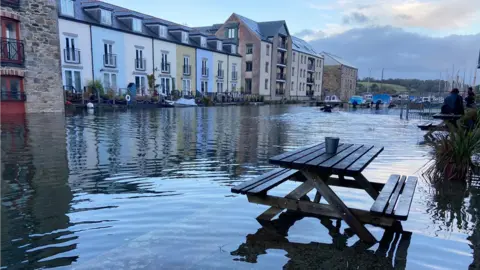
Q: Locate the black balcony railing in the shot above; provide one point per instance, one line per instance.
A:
(234, 75)
(204, 72)
(165, 67)
(140, 64)
(281, 76)
(12, 52)
(13, 95)
(279, 91)
(220, 73)
(282, 45)
(71, 56)
(11, 3)
(310, 80)
(309, 93)
(311, 67)
(110, 60)
(187, 69)
(282, 61)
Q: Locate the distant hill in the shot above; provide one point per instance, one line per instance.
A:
(386, 88)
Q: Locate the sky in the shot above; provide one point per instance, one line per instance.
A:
(371, 34)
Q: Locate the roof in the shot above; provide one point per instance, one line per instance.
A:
(263, 30)
(337, 59)
(82, 16)
(302, 46)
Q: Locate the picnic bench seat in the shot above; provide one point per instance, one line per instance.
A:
(431, 126)
(396, 197)
(265, 182)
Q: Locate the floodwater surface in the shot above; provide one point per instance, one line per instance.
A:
(151, 190)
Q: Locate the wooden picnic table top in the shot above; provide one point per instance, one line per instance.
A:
(447, 116)
(350, 159)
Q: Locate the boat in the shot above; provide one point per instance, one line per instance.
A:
(184, 102)
(332, 98)
(368, 98)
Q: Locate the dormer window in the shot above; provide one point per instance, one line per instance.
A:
(67, 7)
(162, 31)
(203, 42)
(184, 37)
(219, 45)
(106, 17)
(234, 48)
(231, 33)
(136, 25)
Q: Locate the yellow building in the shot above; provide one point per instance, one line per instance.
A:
(186, 70)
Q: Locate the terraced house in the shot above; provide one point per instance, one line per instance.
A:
(269, 58)
(101, 41)
(30, 66)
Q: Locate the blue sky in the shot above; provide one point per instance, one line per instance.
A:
(325, 17)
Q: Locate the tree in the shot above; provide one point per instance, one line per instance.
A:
(374, 88)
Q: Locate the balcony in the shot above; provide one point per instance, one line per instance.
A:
(281, 77)
(220, 73)
(282, 61)
(279, 91)
(12, 52)
(110, 60)
(165, 67)
(205, 72)
(71, 56)
(11, 3)
(187, 69)
(13, 95)
(310, 81)
(311, 67)
(140, 64)
(234, 75)
(282, 45)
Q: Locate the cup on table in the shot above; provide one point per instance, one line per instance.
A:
(331, 144)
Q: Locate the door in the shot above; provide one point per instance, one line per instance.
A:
(11, 41)
(186, 65)
(69, 53)
(164, 66)
(141, 83)
(108, 54)
(68, 84)
(139, 60)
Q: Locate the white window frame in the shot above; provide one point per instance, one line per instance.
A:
(204, 85)
(112, 81)
(231, 33)
(70, 43)
(105, 17)
(266, 84)
(142, 84)
(220, 87)
(203, 42)
(234, 87)
(165, 85)
(186, 86)
(184, 37)
(137, 25)
(72, 72)
(219, 45)
(67, 7)
(162, 31)
(234, 49)
(139, 59)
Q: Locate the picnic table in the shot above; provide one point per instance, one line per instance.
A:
(447, 117)
(314, 168)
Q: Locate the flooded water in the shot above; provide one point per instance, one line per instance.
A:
(151, 190)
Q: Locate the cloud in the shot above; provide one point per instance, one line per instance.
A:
(309, 34)
(403, 54)
(355, 18)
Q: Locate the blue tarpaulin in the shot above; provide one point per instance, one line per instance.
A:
(358, 99)
(384, 98)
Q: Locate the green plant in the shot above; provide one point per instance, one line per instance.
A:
(453, 151)
(96, 85)
(151, 83)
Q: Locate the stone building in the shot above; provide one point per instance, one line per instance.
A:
(339, 77)
(30, 57)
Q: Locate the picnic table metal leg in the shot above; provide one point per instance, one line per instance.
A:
(296, 194)
(342, 209)
(367, 186)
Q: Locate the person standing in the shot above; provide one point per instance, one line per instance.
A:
(470, 99)
(453, 103)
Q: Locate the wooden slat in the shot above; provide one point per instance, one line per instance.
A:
(333, 181)
(256, 180)
(352, 158)
(381, 202)
(307, 152)
(319, 209)
(361, 163)
(396, 193)
(273, 182)
(289, 153)
(406, 198)
(340, 156)
(324, 157)
(309, 157)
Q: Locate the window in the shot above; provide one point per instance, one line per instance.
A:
(186, 86)
(219, 87)
(141, 83)
(139, 61)
(106, 17)
(136, 25)
(184, 37)
(292, 86)
(164, 65)
(204, 67)
(293, 71)
(72, 80)
(204, 86)
(266, 83)
(300, 74)
(249, 48)
(268, 49)
(109, 81)
(231, 33)
(12, 87)
(203, 42)
(234, 49)
(266, 67)
(70, 54)
(293, 60)
(186, 65)
(248, 66)
(162, 31)
(234, 87)
(67, 7)
(219, 45)
(248, 86)
(165, 83)
(109, 59)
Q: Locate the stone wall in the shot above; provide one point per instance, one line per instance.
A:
(43, 78)
(331, 81)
